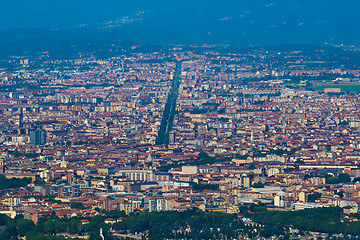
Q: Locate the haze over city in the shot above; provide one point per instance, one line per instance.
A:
(179, 119)
(244, 22)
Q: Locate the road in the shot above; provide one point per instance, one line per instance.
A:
(170, 108)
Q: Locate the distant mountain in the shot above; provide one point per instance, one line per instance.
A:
(238, 22)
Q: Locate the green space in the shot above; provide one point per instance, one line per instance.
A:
(341, 178)
(48, 226)
(202, 187)
(173, 225)
(327, 220)
(203, 159)
(6, 183)
(170, 109)
(355, 87)
(20, 154)
(189, 224)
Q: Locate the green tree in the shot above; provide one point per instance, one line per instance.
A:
(340, 178)
(77, 205)
(24, 226)
(49, 227)
(313, 197)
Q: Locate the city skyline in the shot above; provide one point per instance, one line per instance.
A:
(179, 120)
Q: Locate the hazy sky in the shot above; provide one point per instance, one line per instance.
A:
(240, 21)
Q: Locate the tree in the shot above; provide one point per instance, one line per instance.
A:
(25, 226)
(77, 205)
(10, 231)
(13, 182)
(258, 185)
(340, 178)
(340, 194)
(75, 226)
(49, 227)
(313, 197)
(60, 226)
(299, 161)
(202, 187)
(251, 166)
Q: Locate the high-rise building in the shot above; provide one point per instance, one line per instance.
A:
(172, 137)
(37, 137)
(21, 118)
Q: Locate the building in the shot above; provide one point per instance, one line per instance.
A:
(137, 175)
(2, 164)
(172, 137)
(332, 90)
(64, 190)
(37, 137)
(189, 169)
(157, 204)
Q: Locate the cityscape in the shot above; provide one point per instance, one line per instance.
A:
(129, 140)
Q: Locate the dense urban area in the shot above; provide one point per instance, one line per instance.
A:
(182, 143)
